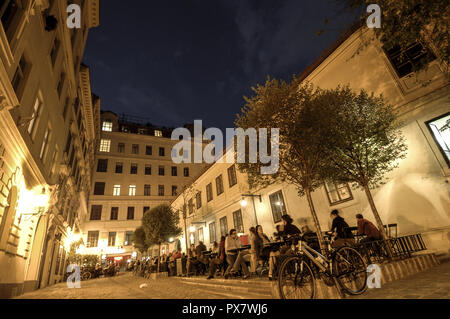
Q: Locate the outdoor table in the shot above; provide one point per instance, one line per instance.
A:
(236, 250)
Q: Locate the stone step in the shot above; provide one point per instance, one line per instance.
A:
(217, 292)
(252, 282)
(226, 285)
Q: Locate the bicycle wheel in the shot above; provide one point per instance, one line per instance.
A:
(86, 275)
(296, 279)
(350, 270)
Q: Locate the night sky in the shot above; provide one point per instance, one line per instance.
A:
(176, 61)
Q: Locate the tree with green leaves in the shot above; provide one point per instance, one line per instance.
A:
(406, 22)
(139, 240)
(364, 141)
(297, 110)
(159, 224)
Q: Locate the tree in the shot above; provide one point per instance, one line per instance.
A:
(295, 109)
(407, 22)
(364, 141)
(187, 193)
(159, 224)
(139, 240)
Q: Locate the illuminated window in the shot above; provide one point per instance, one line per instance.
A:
(116, 190)
(92, 239)
(44, 145)
(440, 129)
(338, 193)
(128, 234)
(158, 133)
(112, 239)
(107, 126)
(132, 190)
(212, 232)
(223, 226)
(34, 116)
(277, 205)
(200, 235)
(238, 224)
(105, 145)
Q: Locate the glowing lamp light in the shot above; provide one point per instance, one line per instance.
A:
(278, 203)
(192, 229)
(134, 254)
(118, 258)
(244, 203)
(42, 199)
(171, 240)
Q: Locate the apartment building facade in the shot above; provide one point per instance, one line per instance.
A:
(41, 97)
(134, 173)
(416, 195)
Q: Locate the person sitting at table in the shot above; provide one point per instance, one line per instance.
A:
(341, 232)
(173, 262)
(191, 260)
(218, 256)
(368, 229)
(286, 230)
(234, 257)
(310, 237)
(200, 257)
(263, 253)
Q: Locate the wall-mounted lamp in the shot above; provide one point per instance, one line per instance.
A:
(244, 202)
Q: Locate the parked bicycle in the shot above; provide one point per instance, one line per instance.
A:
(344, 266)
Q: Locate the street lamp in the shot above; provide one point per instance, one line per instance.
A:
(244, 203)
(192, 229)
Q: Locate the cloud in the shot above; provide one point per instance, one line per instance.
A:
(276, 37)
(148, 103)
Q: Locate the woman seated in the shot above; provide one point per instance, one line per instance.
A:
(192, 260)
(218, 257)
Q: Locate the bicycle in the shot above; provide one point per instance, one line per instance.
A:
(345, 266)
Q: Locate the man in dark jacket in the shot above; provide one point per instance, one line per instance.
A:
(368, 229)
(342, 233)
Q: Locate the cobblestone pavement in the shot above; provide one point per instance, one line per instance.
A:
(431, 284)
(434, 283)
(126, 286)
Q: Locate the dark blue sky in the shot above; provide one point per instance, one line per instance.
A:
(176, 61)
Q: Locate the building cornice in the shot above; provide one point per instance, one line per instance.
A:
(93, 13)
